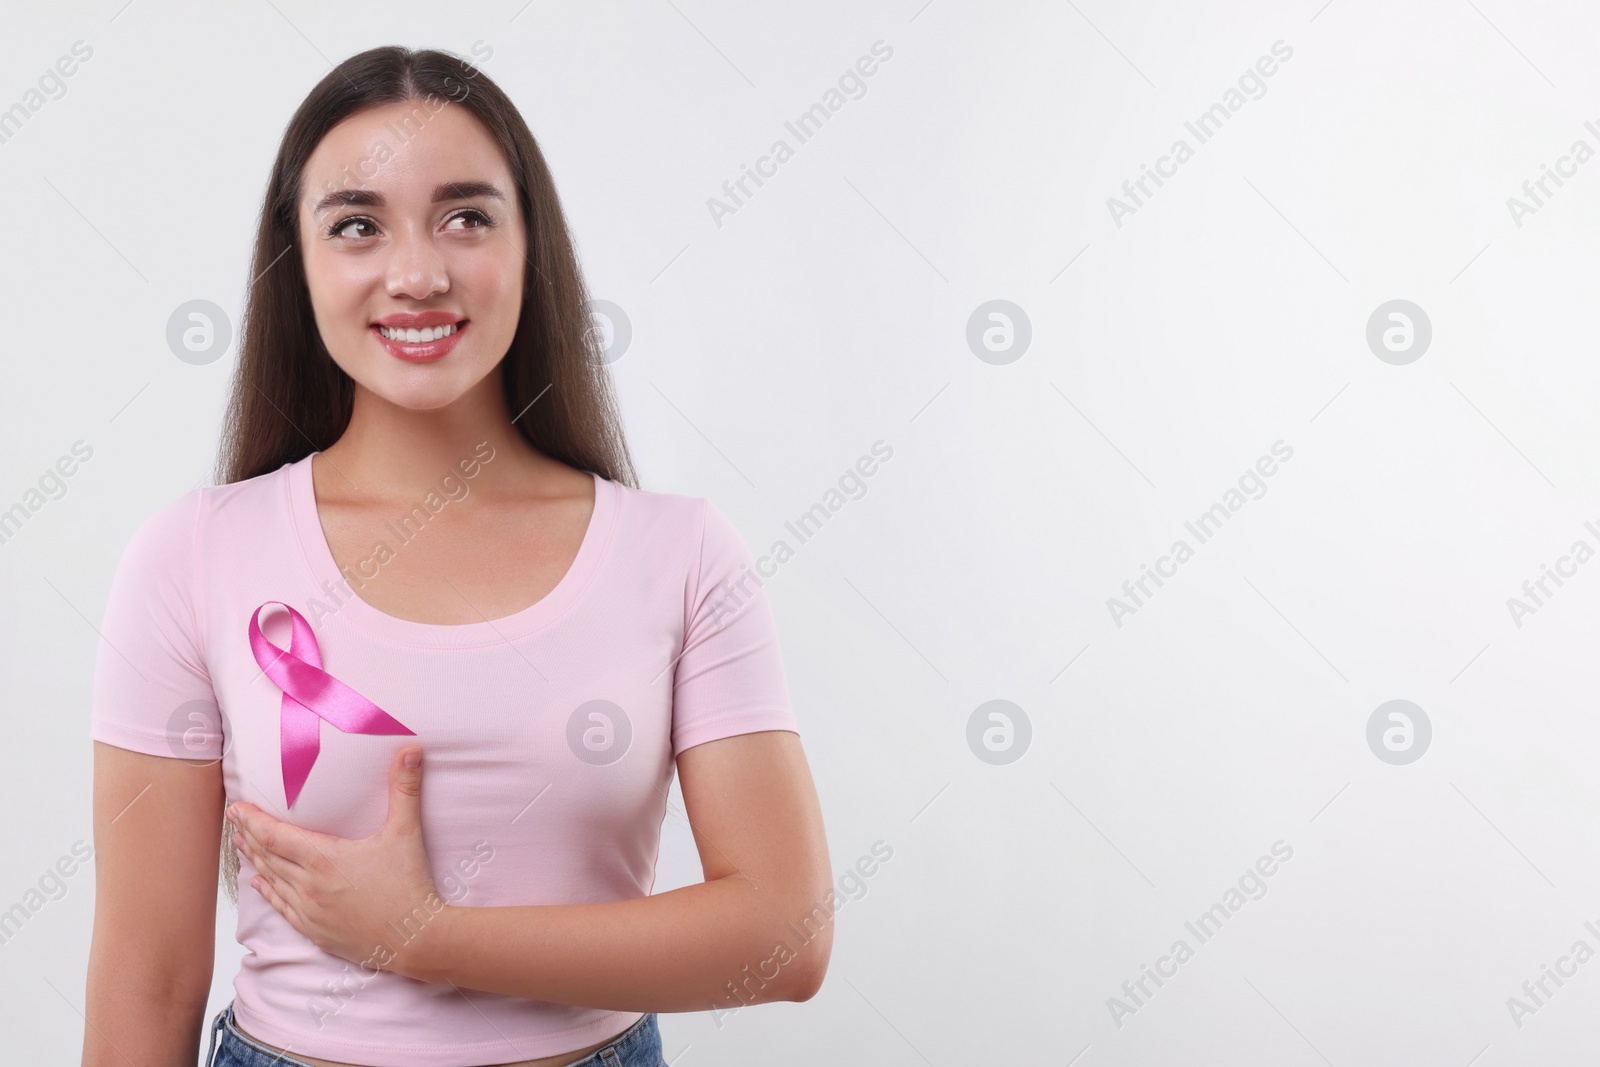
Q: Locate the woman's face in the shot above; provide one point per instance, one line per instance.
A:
(394, 229)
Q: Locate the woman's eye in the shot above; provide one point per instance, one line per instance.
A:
(356, 220)
(482, 219)
(338, 229)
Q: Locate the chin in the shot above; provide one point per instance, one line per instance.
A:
(417, 396)
(428, 400)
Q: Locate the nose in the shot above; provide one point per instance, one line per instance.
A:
(415, 268)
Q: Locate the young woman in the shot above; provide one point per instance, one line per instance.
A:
(426, 540)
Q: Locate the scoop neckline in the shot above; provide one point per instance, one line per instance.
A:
(339, 599)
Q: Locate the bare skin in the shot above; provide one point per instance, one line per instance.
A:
(500, 550)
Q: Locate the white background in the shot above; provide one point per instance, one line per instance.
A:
(830, 311)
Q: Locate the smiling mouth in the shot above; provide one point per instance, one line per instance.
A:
(430, 345)
(414, 336)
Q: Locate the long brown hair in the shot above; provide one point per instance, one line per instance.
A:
(290, 398)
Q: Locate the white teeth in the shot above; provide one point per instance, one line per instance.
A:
(414, 337)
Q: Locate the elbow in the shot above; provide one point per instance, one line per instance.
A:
(809, 983)
(799, 922)
(811, 965)
(794, 941)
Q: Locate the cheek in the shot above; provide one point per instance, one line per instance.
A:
(339, 288)
(493, 287)
(494, 279)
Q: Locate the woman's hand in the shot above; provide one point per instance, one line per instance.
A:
(370, 900)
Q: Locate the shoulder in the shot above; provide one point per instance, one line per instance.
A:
(651, 509)
(693, 524)
(177, 528)
(171, 529)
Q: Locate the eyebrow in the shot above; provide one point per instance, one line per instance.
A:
(442, 191)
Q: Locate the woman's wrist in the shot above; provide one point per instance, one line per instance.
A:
(426, 956)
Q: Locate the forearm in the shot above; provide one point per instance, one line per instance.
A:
(717, 944)
(127, 1022)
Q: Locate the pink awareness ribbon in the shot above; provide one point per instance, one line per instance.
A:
(311, 694)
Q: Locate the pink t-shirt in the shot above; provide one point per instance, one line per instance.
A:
(549, 735)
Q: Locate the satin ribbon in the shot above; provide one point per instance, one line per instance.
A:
(310, 695)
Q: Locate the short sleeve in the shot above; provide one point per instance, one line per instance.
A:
(729, 678)
(152, 691)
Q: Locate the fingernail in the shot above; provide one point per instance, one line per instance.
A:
(414, 758)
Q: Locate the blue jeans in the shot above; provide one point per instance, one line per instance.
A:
(637, 1046)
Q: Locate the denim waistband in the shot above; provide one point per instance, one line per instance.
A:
(637, 1046)
(243, 1048)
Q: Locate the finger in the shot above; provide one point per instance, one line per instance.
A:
(294, 844)
(267, 862)
(287, 902)
(264, 886)
(245, 815)
(285, 842)
(405, 790)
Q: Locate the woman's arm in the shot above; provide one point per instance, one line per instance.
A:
(753, 808)
(157, 840)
